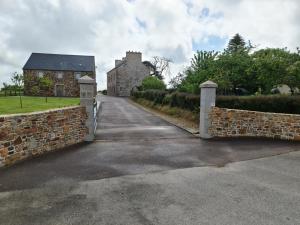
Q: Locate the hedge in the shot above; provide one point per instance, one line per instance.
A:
(269, 103)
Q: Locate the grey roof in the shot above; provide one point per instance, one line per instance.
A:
(149, 64)
(43, 61)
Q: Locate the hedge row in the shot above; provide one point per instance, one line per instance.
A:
(270, 103)
(180, 100)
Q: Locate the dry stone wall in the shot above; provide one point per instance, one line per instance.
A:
(26, 135)
(239, 123)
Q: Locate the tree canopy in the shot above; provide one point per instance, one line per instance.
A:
(151, 82)
(237, 68)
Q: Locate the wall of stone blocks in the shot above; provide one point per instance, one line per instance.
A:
(69, 82)
(243, 123)
(25, 135)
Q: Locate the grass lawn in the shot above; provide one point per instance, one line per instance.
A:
(11, 104)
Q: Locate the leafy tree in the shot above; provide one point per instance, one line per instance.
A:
(153, 83)
(202, 68)
(292, 78)
(233, 70)
(45, 85)
(5, 88)
(18, 82)
(237, 69)
(35, 90)
(270, 66)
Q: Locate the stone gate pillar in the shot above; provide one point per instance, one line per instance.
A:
(87, 86)
(207, 101)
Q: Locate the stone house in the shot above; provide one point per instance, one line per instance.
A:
(63, 70)
(127, 74)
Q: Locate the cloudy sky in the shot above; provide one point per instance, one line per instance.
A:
(169, 28)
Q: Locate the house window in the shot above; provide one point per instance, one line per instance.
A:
(77, 75)
(59, 75)
(40, 74)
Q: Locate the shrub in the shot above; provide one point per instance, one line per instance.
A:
(35, 90)
(185, 101)
(104, 92)
(155, 96)
(268, 103)
(153, 83)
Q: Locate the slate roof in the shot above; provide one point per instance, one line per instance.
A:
(43, 61)
(149, 64)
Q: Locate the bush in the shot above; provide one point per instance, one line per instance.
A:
(153, 83)
(35, 90)
(268, 103)
(104, 92)
(155, 96)
(185, 101)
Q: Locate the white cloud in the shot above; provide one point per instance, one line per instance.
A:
(167, 28)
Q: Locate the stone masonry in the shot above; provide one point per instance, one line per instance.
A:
(243, 123)
(26, 135)
(66, 79)
(127, 74)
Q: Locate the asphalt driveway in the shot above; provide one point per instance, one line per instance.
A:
(143, 170)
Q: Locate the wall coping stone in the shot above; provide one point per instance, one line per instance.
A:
(40, 112)
(208, 84)
(259, 112)
(86, 80)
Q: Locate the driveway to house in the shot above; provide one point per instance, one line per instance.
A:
(143, 170)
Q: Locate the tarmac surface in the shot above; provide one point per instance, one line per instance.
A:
(143, 170)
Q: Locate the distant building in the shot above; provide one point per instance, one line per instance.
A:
(63, 70)
(127, 74)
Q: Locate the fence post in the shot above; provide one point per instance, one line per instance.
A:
(87, 85)
(207, 101)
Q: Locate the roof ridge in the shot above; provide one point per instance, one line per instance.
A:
(42, 53)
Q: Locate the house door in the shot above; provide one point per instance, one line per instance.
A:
(59, 90)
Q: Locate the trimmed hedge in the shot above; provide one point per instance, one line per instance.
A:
(268, 103)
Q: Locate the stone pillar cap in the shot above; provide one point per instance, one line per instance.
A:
(208, 84)
(86, 80)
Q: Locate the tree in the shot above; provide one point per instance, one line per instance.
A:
(271, 65)
(5, 88)
(202, 68)
(176, 81)
(35, 90)
(18, 82)
(161, 67)
(153, 83)
(45, 85)
(292, 78)
(236, 43)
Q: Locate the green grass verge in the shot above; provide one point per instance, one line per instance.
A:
(11, 104)
(175, 112)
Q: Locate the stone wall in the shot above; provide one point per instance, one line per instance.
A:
(243, 123)
(127, 74)
(68, 80)
(111, 82)
(26, 135)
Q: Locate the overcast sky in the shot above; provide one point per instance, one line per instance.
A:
(168, 28)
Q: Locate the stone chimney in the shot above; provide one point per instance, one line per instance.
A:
(134, 56)
(117, 62)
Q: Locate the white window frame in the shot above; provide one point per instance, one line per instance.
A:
(59, 75)
(77, 75)
(40, 74)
